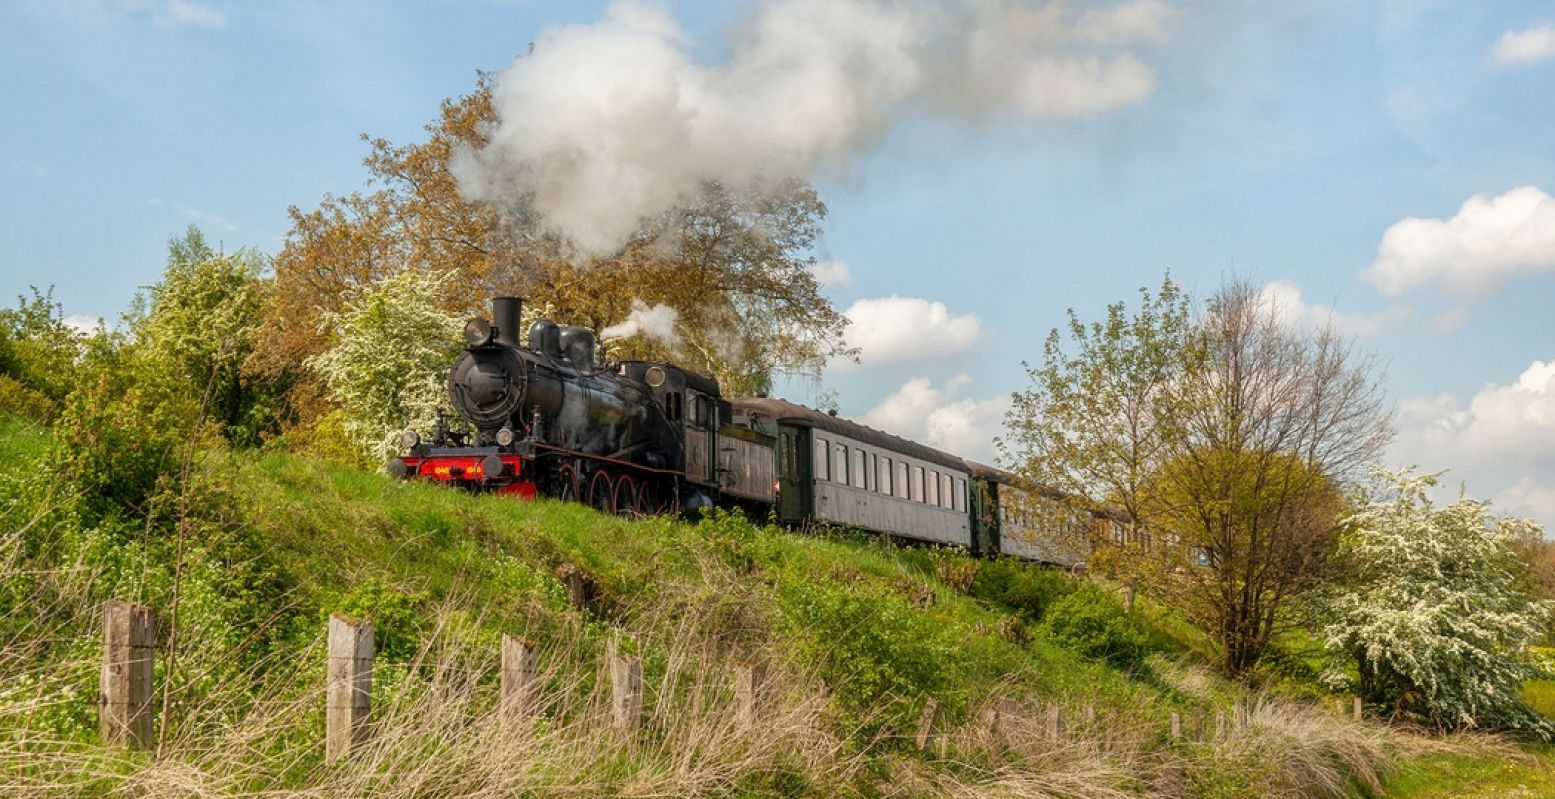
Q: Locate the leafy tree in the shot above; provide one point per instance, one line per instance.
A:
(1222, 439)
(199, 323)
(1431, 611)
(388, 367)
(733, 264)
(38, 354)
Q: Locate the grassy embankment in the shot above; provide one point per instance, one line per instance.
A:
(856, 634)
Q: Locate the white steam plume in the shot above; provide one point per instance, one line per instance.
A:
(655, 322)
(605, 124)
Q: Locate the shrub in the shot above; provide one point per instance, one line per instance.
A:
(1022, 586)
(1091, 622)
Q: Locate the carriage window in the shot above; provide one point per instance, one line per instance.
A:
(946, 491)
(869, 472)
(931, 493)
(822, 459)
(883, 480)
(960, 494)
(860, 474)
(840, 470)
(917, 484)
(901, 480)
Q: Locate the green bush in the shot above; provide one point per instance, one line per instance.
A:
(1091, 622)
(1022, 586)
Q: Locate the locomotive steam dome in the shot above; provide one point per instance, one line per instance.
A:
(486, 386)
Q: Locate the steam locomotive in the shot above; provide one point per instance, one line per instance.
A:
(640, 437)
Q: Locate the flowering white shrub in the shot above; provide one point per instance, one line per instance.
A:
(388, 368)
(1431, 611)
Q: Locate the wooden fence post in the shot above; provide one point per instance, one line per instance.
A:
(1176, 726)
(577, 584)
(348, 685)
(519, 680)
(1128, 597)
(626, 691)
(1357, 708)
(1198, 724)
(1054, 721)
(124, 704)
(1220, 725)
(748, 681)
(926, 725)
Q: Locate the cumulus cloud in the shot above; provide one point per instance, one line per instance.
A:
(1283, 297)
(832, 273)
(1489, 239)
(901, 329)
(941, 417)
(607, 123)
(1501, 436)
(1449, 321)
(1500, 421)
(1519, 47)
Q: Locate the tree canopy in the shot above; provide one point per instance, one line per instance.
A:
(733, 264)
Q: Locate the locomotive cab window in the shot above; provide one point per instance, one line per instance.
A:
(822, 459)
(672, 409)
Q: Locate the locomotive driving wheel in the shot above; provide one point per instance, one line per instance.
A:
(601, 495)
(567, 484)
(624, 498)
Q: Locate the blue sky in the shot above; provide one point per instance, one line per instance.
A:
(1287, 142)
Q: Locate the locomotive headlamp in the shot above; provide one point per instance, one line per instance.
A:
(409, 439)
(505, 437)
(478, 333)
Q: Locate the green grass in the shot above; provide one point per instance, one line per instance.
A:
(864, 630)
(1503, 775)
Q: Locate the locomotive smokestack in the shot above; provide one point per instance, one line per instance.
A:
(505, 312)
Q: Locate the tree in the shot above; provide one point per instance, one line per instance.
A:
(1431, 611)
(1223, 438)
(733, 264)
(38, 354)
(199, 323)
(388, 368)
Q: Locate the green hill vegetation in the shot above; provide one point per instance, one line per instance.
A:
(248, 558)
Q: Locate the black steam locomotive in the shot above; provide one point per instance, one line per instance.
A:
(649, 437)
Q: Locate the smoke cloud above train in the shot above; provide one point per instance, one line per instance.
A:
(605, 124)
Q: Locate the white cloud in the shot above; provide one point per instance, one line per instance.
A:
(1520, 47)
(832, 273)
(85, 325)
(1489, 239)
(1502, 437)
(942, 419)
(1283, 297)
(900, 329)
(1527, 498)
(191, 14)
(1144, 20)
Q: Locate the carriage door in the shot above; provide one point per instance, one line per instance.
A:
(793, 474)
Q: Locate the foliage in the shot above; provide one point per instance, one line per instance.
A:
(733, 264)
(198, 323)
(1430, 610)
(1028, 588)
(1221, 439)
(1090, 621)
(388, 367)
(38, 354)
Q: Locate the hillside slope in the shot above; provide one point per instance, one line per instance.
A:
(854, 634)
